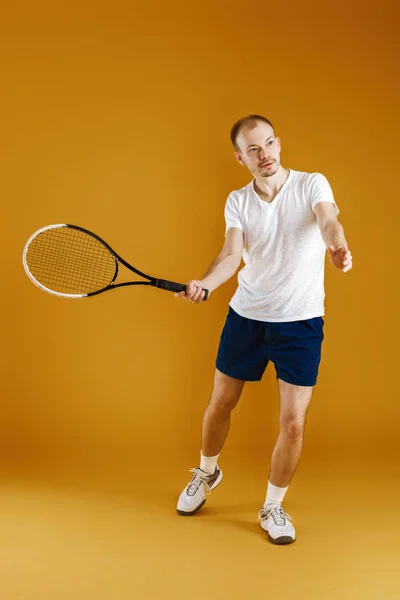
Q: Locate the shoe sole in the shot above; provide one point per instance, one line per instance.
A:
(188, 514)
(281, 541)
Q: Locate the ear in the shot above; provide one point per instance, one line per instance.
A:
(239, 158)
(279, 143)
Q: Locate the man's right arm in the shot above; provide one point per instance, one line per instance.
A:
(221, 269)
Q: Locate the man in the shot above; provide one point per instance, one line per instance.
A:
(281, 224)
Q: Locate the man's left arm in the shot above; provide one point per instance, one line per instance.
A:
(333, 235)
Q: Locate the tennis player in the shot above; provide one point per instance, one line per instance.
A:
(281, 224)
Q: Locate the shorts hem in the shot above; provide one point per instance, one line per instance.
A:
(236, 376)
(293, 381)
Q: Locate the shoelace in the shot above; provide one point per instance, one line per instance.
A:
(198, 479)
(277, 512)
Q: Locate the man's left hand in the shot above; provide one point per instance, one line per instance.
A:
(341, 258)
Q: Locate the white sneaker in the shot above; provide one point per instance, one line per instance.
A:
(194, 495)
(276, 522)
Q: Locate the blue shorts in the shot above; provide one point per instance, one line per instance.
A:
(294, 348)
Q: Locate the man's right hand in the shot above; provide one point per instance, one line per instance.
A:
(194, 292)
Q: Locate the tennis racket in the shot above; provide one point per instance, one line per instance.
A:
(72, 262)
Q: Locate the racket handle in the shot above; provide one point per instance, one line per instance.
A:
(172, 286)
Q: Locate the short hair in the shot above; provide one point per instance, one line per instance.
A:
(251, 122)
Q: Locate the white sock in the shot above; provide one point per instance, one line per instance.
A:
(208, 464)
(275, 494)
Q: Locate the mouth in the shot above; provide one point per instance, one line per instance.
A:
(266, 165)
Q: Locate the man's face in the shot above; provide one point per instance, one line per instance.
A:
(259, 150)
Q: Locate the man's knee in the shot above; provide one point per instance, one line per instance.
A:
(222, 403)
(292, 426)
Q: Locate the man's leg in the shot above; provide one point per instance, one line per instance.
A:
(225, 395)
(294, 402)
(217, 416)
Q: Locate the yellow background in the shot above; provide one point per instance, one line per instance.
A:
(116, 117)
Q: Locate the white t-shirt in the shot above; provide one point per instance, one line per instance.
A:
(284, 253)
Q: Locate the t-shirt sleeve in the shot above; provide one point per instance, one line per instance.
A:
(232, 214)
(320, 190)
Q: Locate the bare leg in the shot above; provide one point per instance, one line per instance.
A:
(287, 452)
(217, 417)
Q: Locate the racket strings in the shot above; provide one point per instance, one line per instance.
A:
(74, 263)
(70, 261)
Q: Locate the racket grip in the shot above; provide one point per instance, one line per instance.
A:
(172, 286)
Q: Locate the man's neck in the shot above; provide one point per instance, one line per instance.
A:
(268, 187)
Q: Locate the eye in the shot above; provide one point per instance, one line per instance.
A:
(270, 142)
(252, 149)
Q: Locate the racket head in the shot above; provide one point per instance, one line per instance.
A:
(69, 261)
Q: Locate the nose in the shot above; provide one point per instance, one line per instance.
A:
(265, 155)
